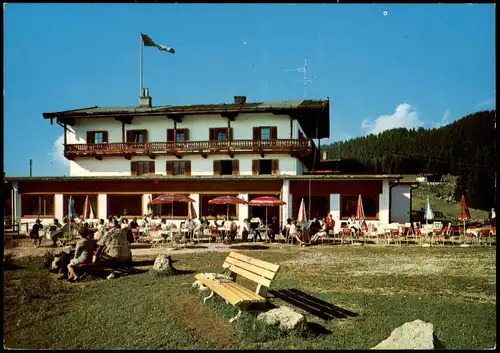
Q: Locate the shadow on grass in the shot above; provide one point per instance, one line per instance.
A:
(312, 305)
(249, 247)
(12, 267)
(438, 344)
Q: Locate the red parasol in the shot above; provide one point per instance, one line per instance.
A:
(171, 198)
(464, 211)
(227, 200)
(266, 201)
(360, 212)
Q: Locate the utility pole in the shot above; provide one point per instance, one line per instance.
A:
(31, 167)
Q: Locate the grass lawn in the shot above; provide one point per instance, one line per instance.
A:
(453, 288)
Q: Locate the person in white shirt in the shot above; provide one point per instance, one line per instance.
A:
(124, 223)
(227, 228)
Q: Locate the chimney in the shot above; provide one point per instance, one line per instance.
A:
(145, 99)
(240, 99)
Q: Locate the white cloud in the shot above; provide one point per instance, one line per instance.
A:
(487, 102)
(404, 116)
(445, 120)
(57, 153)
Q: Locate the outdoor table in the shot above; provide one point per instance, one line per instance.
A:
(263, 231)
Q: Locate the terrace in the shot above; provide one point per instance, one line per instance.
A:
(299, 148)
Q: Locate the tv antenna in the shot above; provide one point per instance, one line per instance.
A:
(304, 71)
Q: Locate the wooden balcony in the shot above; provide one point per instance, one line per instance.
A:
(297, 148)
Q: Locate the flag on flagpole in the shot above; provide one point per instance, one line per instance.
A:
(148, 42)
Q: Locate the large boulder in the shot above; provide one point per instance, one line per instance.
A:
(117, 248)
(411, 335)
(162, 262)
(285, 318)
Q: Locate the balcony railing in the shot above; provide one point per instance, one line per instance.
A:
(300, 147)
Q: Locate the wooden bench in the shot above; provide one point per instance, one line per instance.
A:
(258, 271)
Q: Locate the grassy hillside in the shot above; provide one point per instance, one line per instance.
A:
(441, 199)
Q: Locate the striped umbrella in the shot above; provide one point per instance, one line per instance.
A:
(360, 212)
(150, 207)
(171, 198)
(227, 200)
(266, 201)
(302, 217)
(464, 211)
(88, 213)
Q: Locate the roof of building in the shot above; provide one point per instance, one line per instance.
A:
(308, 112)
(203, 177)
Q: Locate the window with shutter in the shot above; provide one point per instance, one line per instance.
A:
(151, 167)
(133, 168)
(104, 137)
(186, 134)
(255, 167)
(187, 168)
(170, 167)
(256, 133)
(170, 135)
(236, 167)
(139, 136)
(211, 134)
(216, 167)
(274, 133)
(276, 166)
(180, 135)
(90, 137)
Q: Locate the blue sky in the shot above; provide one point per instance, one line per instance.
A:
(382, 66)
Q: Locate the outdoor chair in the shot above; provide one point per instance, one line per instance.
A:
(347, 235)
(438, 235)
(484, 236)
(395, 236)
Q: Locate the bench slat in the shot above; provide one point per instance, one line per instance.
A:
(230, 291)
(249, 267)
(232, 298)
(249, 295)
(251, 276)
(266, 265)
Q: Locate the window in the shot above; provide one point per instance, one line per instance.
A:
(265, 133)
(348, 206)
(79, 202)
(142, 168)
(181, 135)
(139, 136)
(227, 167)
(320, 206)
(211, 210)
(97, 137)
(125, 205)
(220, 134)
(37, 205)
(265, 166)
(179, 168)
(179, 209)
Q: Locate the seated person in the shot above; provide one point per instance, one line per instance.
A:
(83, 255)
(55, 231)
(245, 229)
(164, 226)
(35, 233)
(286, 228)
(100, 230)
(134, 224)
(275, 228)
(124, 223)
(330, 223)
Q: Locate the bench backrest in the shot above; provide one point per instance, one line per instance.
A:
(258, 271)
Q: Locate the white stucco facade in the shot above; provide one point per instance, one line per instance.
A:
(198, 126)
(119, 166)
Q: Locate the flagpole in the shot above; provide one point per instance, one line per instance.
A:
(140, 59)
